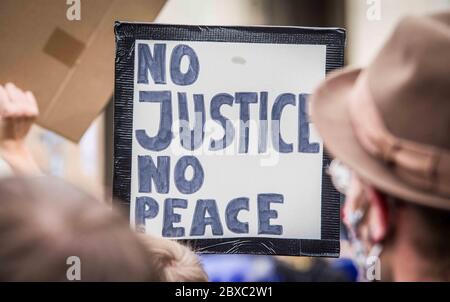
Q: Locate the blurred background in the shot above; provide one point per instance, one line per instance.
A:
(89, 163)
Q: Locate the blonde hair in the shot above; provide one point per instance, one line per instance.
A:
(174, 262)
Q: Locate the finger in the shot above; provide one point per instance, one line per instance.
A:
(14, 97)
(27, 105)
(4, 100)
(33, 106)
(9, 106)
(18, 100)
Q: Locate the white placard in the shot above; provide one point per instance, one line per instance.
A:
(230, 69)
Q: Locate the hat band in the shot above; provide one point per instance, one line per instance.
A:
(424, 166)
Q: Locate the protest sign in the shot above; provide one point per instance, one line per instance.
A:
(213, 142)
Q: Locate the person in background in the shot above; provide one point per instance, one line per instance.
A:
(389, 127)
(45, 222)
(174, 262)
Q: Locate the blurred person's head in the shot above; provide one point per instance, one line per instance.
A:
(172, 261)
(389, 126)
(44, 221)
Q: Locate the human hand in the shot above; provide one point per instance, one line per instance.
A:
(18, 111)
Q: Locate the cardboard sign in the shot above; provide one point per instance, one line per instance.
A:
(213, 142)
(66, 63)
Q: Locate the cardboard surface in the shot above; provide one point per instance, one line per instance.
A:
(69, 65)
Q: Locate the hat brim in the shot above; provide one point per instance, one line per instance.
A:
(330, 115)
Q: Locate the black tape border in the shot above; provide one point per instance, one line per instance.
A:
(128, 33)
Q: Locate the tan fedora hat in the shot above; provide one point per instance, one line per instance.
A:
(390, 122)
